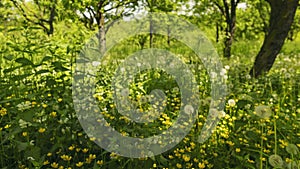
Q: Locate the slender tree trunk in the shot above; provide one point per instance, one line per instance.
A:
(169, 36)
(51, 20)
(281, 19)
(151, 32)
(102, 34)
(230, 14)
(217, 32)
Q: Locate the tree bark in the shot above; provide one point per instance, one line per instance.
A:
(102, 34)
(281, 19)
(101, 27)
(230, 30)
(228, 10)
(151, 32)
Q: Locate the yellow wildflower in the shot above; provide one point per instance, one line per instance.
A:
(46, 162)
(42, 130)
(178, 165)
(24, 134)
(54, 165)
(7, 126)
(85, 150)
(79, 164)
(201, 165)
(100, 162)
(66, 157)
(71, 148)
(3, 112)
(53, 114)
(186, 158)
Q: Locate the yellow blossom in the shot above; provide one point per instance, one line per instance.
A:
(79, 164)
(53, 114)
(42, 130)
(66, 157)
(71, 148)
(250, 161)
(46, 162)
(59, 99)
(237, 150)
(85, 150)
(100, 162)
(7, 126)
(49, 154)
(178, 165)
(201, 165)
(186, 158)
(93, 138)
(3, 112)
(54, 165)
(24, 134)
(288, 160)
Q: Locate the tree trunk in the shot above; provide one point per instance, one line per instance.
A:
(281, 19)
(217, 32)
(151, 32)
(230, 14)
(169, 36)
(102, 34)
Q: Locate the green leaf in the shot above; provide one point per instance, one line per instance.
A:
(27, 116)
(41, 71)
(24, 61)
(58, 66)
(20, 77)
(22, 146)
(11, 69)
(46, 58)
(10, 57)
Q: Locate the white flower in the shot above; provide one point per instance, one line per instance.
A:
(125, 92)
(263, 111)
(275, 161)
(227, 67)
(223, 72)
(24, 124)
(30, 158)
(31, 142)
(292, 149)
(231, 102)
(222, 114)
(95, 63)
(188, 109)
(213, 75)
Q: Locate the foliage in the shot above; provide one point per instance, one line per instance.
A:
(39, 126)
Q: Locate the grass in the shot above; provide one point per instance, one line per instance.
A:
(40, 128)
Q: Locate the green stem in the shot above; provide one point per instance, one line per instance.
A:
(261, 147)
(275, 135)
